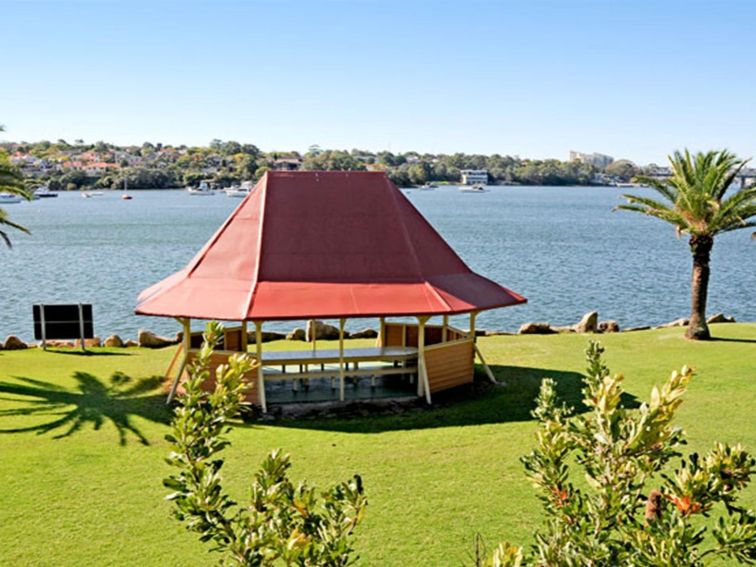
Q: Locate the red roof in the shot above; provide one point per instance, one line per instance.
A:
(316, 244)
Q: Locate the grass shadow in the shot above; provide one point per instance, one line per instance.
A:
(479, 403)
(731, 340)
(93, 401)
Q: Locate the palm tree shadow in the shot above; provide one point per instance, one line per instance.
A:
(93, 401)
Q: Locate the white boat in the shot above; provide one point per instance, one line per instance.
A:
(43, 192)
(241, 191)
(202, 191)
(477, 188)
(427, 187)
(88, 194)
(9, 198)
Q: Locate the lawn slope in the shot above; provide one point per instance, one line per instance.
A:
(81, 449)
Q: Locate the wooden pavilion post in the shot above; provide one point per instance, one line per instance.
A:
(382, 332)
(342, 322)
(423, 386)
(260, 376)
(186, 345)
(486, 368)
(244, 336)
(443, 330)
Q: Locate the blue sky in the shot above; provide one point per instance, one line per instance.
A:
(530, 78)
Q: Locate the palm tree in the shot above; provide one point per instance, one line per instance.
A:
(11, 181)
(694, 202)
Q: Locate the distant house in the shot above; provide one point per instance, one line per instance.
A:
(287, 164)
(98, 168)
(473, 176)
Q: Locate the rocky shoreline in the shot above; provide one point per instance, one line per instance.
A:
(319, 330)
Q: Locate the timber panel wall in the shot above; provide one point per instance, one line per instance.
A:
(218, 358)
(450, 365)
(394, 334)
(434, 334)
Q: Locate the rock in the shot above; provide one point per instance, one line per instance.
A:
(608, 326)
(321, 331)
(365, 334)
(720, 318)
(588, 323)
(131, 343)
(89, 343)
(60, 344)
(536, 329)
(643, 328)
(676, 323)
(267, 337)
(113, 341)
(12, 342)
(148, 339)
(564, 329)
(297, 334)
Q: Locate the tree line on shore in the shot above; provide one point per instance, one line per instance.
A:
(65, 166)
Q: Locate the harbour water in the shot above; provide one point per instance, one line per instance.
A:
(561, 247)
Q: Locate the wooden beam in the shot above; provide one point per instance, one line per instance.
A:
(473, 315)
(490, 374)
(244, 337)
(260, 377)
(186, 345)
(342, 374)
(445, 326)
(423, 384)
(382, 332)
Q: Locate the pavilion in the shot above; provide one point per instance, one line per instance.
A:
(331, 245)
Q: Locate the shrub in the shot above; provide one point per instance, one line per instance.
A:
(631, 510)
(282, 524)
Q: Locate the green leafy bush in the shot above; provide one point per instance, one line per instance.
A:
(626, 508)
(283, 523)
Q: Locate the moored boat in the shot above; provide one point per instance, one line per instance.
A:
(477, 188)
(43, 192)
(202, 191)
(241, 191)
(9, 198)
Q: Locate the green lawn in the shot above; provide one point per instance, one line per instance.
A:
(81, 463)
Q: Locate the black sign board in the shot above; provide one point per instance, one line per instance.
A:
(63, 322)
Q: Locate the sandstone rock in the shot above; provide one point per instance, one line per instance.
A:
(588, 323)
(297, 334)
(365, 334)
(130, 343)
(642, 328)
(148, 339)
(60, 344)
(321, 331)
(608, 326)
(536, 329)
(564, 329)
(113, 341)
(89, 343)
(12, 342)
(267, 337)
(676, 323)
(270, 336)
(720, 318)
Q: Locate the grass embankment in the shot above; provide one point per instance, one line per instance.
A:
(82, 461)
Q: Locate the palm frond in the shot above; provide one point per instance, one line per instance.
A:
(662, 187)
(736, 226)
(5, 221)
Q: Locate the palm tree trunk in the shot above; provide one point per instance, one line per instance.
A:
(700, 246)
